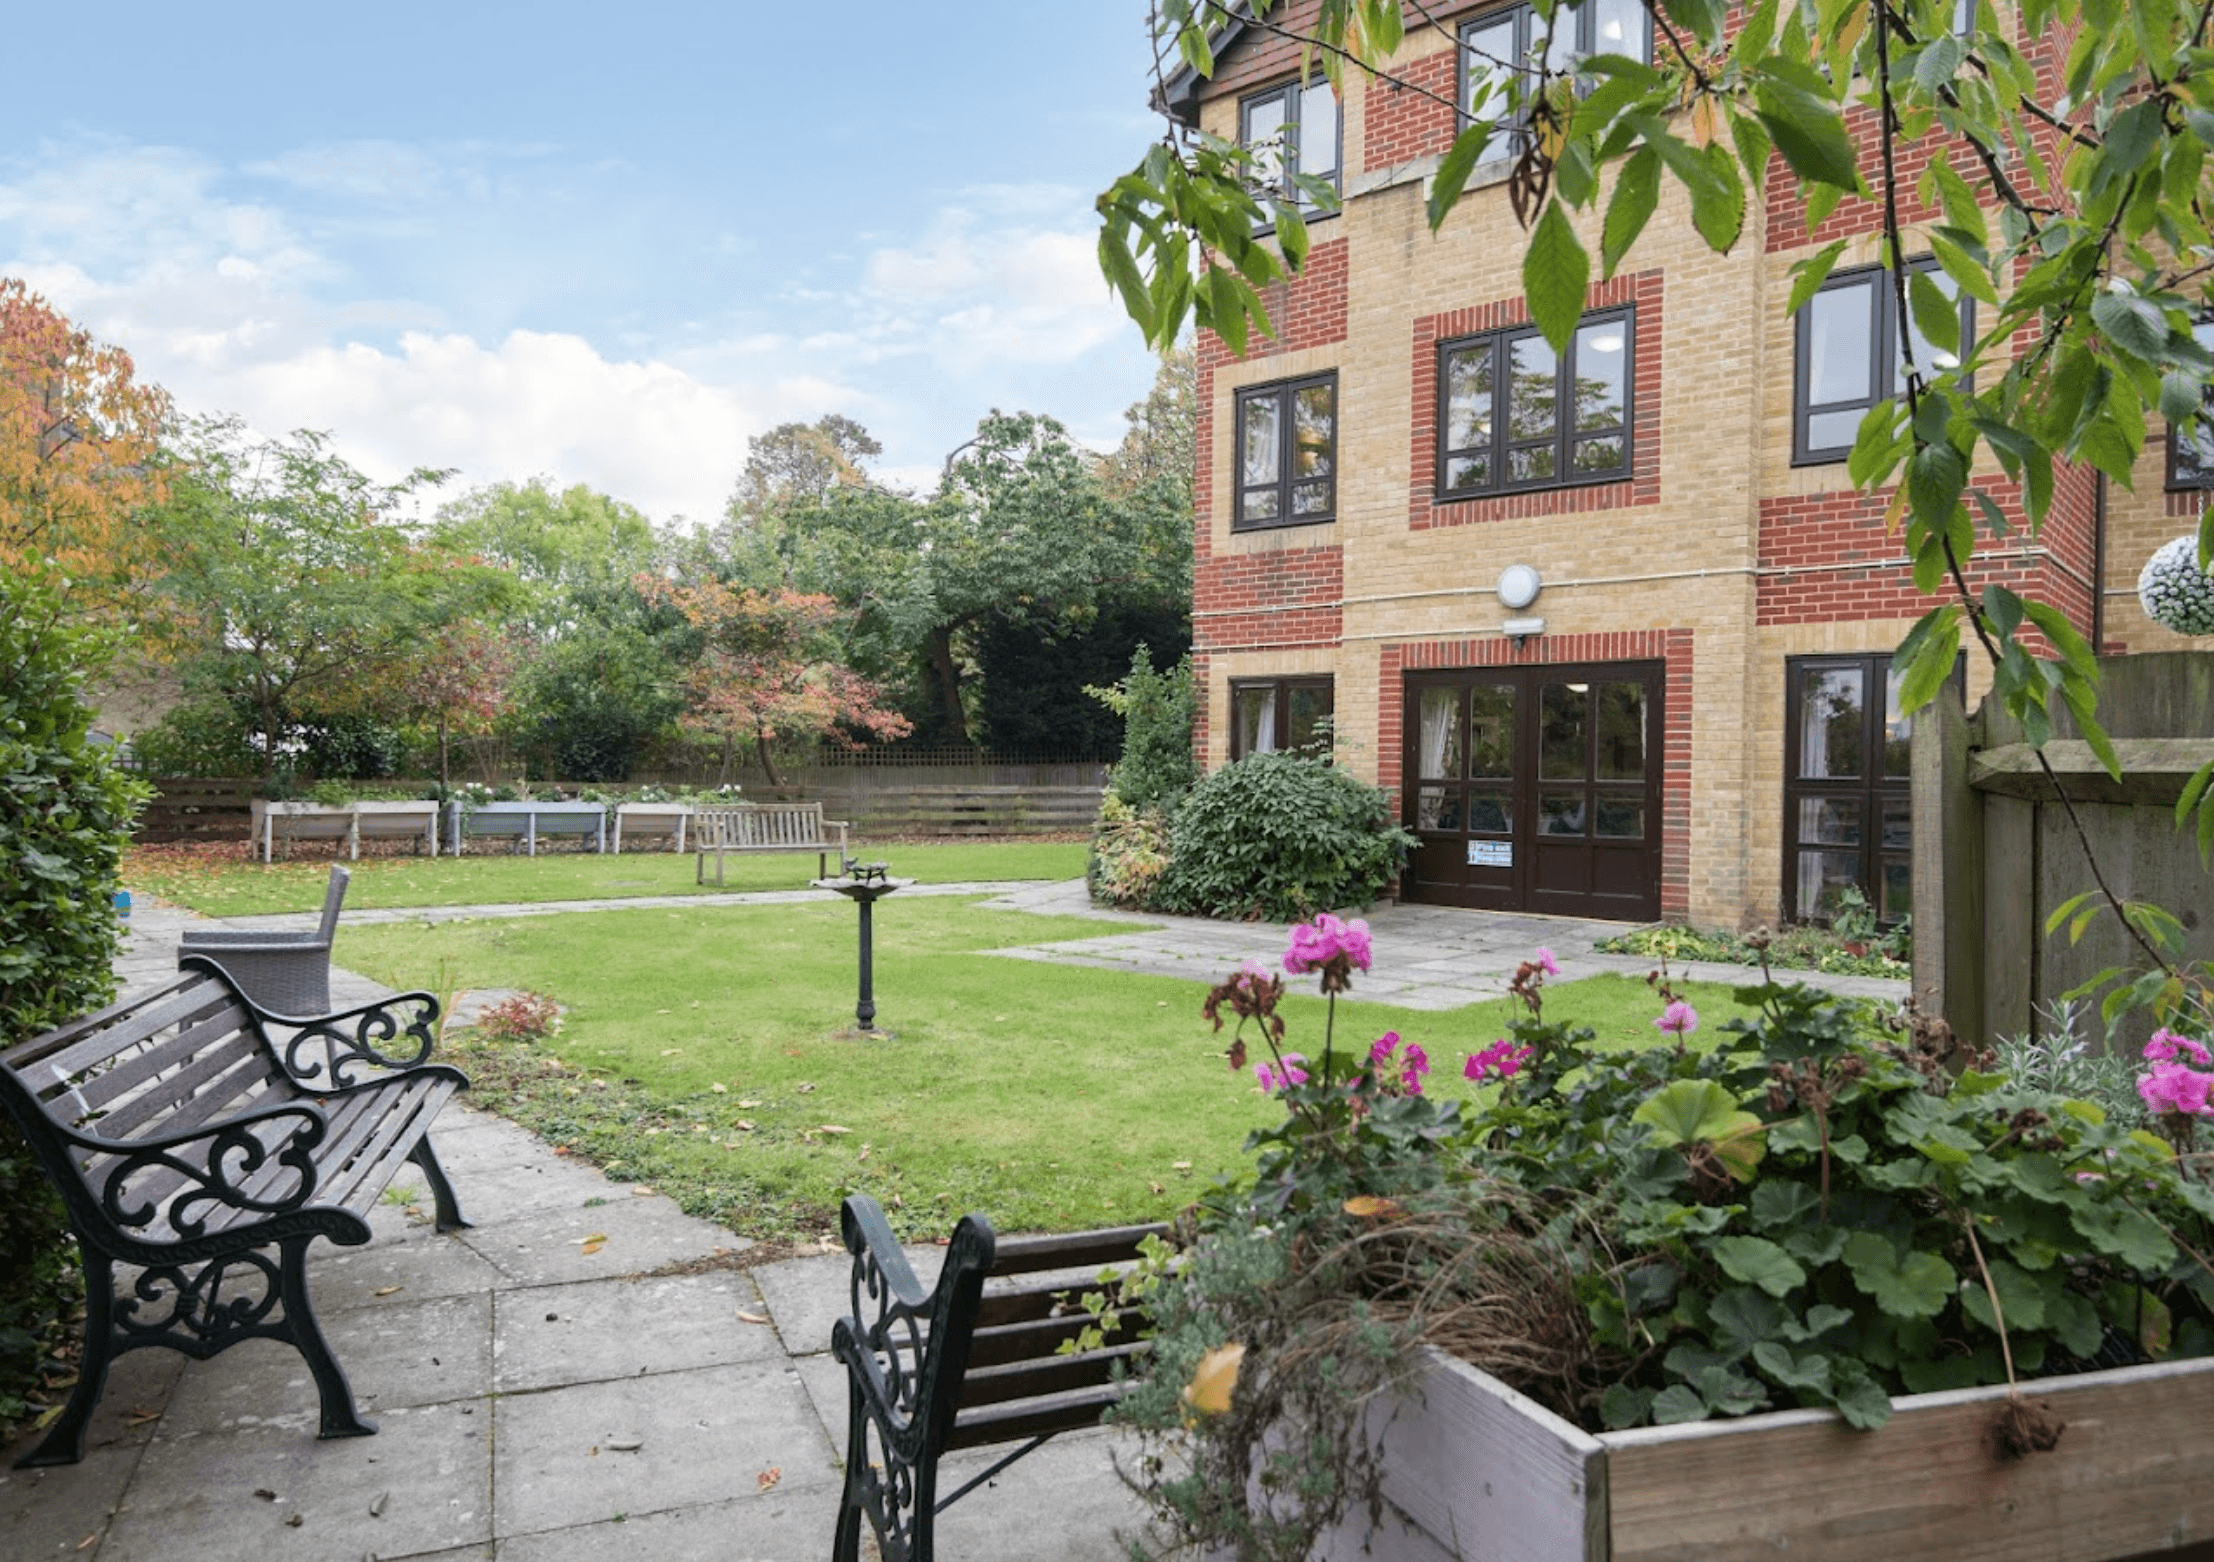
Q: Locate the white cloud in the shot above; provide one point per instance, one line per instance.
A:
(539, 402)
(269, 308)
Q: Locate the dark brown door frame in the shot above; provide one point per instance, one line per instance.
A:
(1520, 887)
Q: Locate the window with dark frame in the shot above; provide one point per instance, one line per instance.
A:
(1848, 814)
(2191, 445)
(1513, 414)
(1294, 130)
(1268, 714)
(1503, 43)
(1287, 458)
(1848, 356)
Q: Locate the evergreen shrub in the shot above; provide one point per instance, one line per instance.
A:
(65, 814)
(1279, 837)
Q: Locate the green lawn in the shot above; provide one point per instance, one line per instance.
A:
(1050, 1096)
(230, 888)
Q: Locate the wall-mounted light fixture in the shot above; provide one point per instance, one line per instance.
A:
(1519, 585)
(1520, 629)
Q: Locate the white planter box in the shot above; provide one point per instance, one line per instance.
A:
(670, 820)
(397, 821)
(1487, 1475)
(350, 822)
(527, 821)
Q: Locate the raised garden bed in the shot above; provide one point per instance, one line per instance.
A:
(1473, 1465)
(653, 821)
(349, 822)
(526, 822)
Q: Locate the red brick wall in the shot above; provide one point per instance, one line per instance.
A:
(1829, 558)
(1425, 510)
(1398, 125)
(1670, 646)
(1307, 310)
(1285, 598)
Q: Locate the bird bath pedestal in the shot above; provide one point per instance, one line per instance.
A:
(864, 884)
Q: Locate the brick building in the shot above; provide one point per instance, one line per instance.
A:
(1688, 718)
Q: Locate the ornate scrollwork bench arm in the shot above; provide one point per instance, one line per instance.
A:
(198, 1171)
(331, 1053)
(905, 1350)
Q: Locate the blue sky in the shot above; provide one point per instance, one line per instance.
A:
(604, 244)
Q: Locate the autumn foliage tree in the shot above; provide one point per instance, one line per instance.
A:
(78, 439)
(461, 682)
(768, 668)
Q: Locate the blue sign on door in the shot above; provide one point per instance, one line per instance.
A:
(1491, 854)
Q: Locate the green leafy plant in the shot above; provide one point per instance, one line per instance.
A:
(65, 816)
(1130, 851)
(1823, 1206)
(1281, 836)
(1158, 710)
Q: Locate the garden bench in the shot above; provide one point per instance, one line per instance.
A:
(207, 1143)
(765, 827)
(282, 973)
(963, 1366)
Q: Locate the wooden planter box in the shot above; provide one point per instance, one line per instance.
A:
(526, 822)
(349, 822)
(671, 821)
(1479, 1472)
(274, 822)
(398, 821)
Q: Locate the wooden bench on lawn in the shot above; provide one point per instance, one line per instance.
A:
(765, 827)
(963, 1365)
(207, 1143)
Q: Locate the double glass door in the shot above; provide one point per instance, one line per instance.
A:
(1536, 789)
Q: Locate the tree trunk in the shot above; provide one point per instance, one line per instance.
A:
(445, 768)
(729, 745)
(768, 765)
(949, 681)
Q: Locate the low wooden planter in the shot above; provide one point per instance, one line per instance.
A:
(1482, 1473)
(526, 822)
(660, 821)
(398, 821)
(349, 822)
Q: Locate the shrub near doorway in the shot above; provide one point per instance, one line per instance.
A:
(1277, 837)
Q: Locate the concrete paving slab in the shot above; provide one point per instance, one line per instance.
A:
(493, 1193)
(421, 1265)
(805, 1296)
(420, 1353)
(600, 1330)
(196, 1496)
(52, 1512)
(641, 1234)
(1064, 1501)
(703, 1434)
(139, 1381)
(775, 1526)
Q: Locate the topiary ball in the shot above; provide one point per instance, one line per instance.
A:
(2178, 594)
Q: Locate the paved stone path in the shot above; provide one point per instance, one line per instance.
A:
(511, 1370)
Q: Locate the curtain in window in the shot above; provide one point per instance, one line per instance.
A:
(1441, 710)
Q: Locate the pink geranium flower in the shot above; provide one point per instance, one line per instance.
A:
(2177, 1088)
(1290, 1074)
(1315, 944)
(1546, 962)
(1679, 1018)
(1500, 1060)
(1382, 1050)
(2165, 1044)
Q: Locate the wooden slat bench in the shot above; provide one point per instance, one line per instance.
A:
(208, 1143)
(963, 1366)
(764, 827)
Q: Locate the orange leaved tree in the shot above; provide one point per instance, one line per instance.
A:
(78, 440)
(769, 668)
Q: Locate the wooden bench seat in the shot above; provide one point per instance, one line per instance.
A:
(974, 1361)
(764, 827)
(207, 1143)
